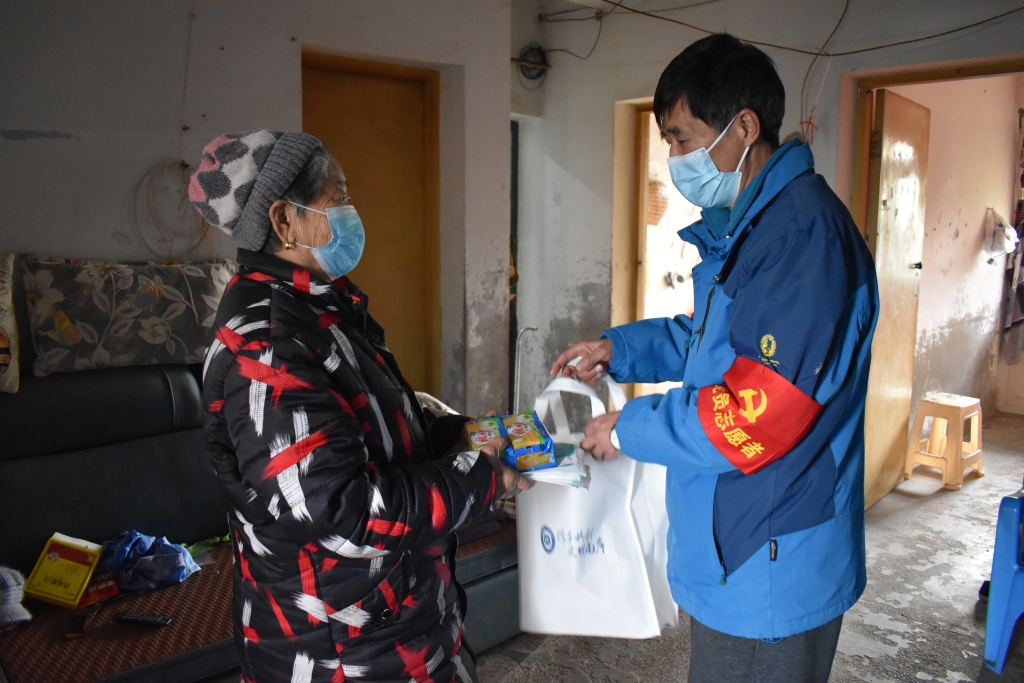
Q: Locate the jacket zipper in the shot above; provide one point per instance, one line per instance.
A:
(718, 551)
(707, 309)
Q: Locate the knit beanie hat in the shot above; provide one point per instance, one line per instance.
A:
(242, 174)
(12, 588)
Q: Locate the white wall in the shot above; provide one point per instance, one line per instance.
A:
(566, 186)
(971, 163)
(95, 93)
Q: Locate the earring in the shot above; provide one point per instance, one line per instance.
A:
(287, 245)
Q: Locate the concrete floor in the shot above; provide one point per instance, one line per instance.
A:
(919, 618)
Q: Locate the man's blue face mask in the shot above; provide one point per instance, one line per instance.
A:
(699, 180)
(341, 254)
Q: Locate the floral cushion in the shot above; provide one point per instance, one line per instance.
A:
(90, 314)
(9, 379)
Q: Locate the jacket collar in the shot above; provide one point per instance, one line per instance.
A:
(341, 293)
(788, 162)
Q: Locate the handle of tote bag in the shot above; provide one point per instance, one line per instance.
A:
(551, 399)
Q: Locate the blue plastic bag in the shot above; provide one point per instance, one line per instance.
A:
(144, 562)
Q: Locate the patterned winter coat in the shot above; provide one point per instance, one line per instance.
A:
(341, 507)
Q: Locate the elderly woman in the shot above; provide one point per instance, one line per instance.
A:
(343, 492)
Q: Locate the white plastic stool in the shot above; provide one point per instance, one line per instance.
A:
(946, 448)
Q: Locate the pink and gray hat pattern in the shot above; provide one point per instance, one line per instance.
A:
(242, 174)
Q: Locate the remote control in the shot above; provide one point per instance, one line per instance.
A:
(141, 618)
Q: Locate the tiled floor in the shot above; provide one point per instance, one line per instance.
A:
(919, 619)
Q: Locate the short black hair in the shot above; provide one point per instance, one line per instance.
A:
(719, 75)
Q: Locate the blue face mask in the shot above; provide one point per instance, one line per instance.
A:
(699, 180)
(341, 254)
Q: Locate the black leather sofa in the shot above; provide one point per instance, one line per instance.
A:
(93, 453)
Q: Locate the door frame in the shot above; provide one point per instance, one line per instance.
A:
(863, 180)
(642, 115)
(431, 81)
(860, 86)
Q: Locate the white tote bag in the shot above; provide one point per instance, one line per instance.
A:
(594, 562)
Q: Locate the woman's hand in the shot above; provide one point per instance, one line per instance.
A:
(594, 358)
(508, 480)
(462, 445)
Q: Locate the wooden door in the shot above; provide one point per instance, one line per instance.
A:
(895, 233)
(381, 122)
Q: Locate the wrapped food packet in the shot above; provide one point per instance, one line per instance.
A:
(483, 431)
(530, 448)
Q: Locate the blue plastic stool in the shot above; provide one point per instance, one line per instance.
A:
(1006, 590)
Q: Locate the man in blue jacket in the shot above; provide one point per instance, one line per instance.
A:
(764, 441)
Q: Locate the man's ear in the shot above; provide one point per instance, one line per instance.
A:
(281, 222)
(750, 125)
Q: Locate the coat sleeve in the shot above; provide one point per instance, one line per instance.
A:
(300, 453)
(796, 322)
(652, 350)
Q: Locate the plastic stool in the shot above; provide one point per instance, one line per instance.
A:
(1006, 590)
(946, 448)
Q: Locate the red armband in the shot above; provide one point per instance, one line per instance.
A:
(756, 417)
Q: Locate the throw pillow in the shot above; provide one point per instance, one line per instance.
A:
(9, 378)
(87, 314)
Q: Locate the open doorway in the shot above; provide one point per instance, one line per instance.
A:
(942, 173)
(664, 284)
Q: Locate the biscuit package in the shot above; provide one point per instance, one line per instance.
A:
(483, 431)
(530, 447)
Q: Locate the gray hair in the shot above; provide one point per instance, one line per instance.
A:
(306, 187)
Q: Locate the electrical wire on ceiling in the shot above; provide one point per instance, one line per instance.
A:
(664, 10)
(533, 62)
(813, 53)
(600, 25)
(807, 126)
(533, 65)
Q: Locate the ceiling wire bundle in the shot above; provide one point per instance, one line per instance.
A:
(162, 217)
(813, 53)
(548, 17)
(533, 61)
(807, 126)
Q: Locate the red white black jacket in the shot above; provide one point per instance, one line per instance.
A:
(341, 506)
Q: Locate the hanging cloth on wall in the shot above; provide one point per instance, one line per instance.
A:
(1013, 309)
(1013, 300)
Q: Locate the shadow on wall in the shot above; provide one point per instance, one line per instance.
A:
(960, 358)
(588, 318)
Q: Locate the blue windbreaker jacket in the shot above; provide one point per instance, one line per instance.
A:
(764, 441)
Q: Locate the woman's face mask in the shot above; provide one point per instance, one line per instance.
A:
(342, 252)
(699, 180)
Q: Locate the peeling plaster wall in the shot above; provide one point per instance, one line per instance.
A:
(98, 92)
(566, 184)
(971, 161)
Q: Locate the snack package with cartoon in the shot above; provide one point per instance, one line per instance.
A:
(530, 448)
(483, 431)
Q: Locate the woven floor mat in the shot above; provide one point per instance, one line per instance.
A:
(200, 609)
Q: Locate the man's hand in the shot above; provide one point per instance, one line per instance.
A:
(594, 358)
(508, 481)
(597, 437)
